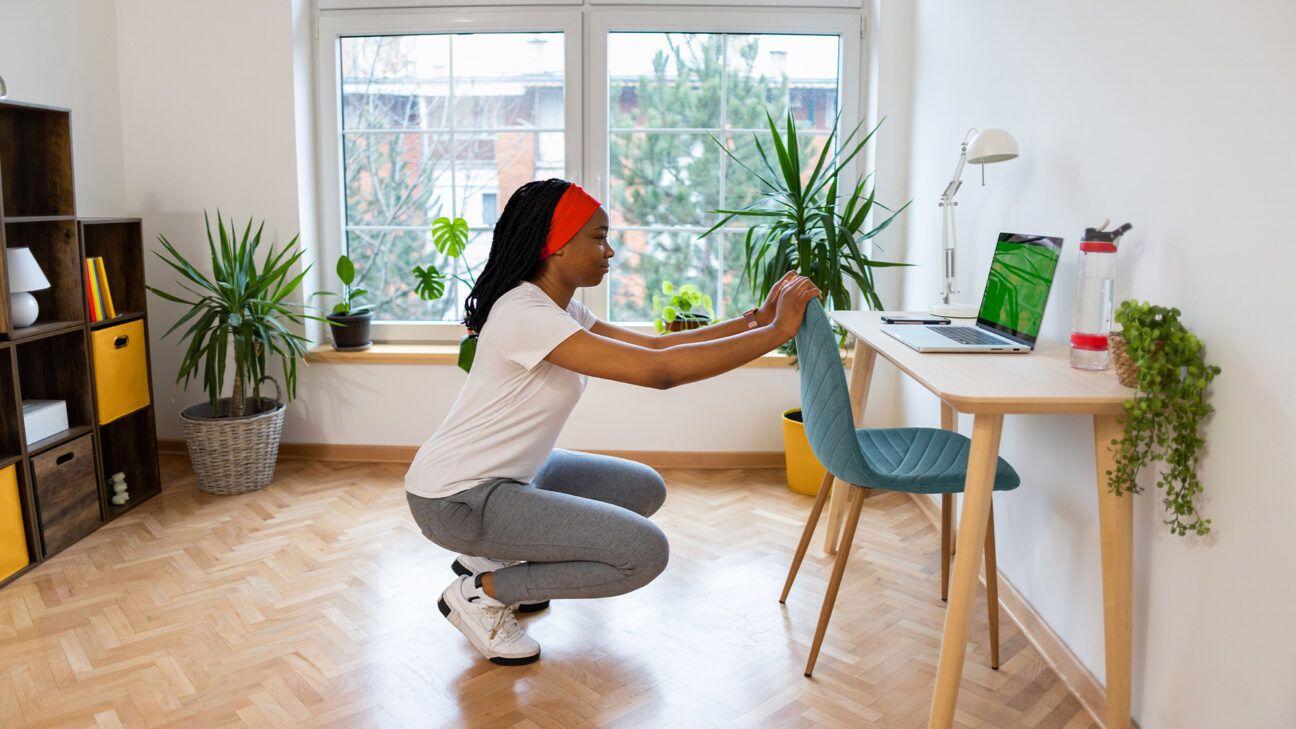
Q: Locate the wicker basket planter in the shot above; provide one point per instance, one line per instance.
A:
(234, 455)
(1126, 370)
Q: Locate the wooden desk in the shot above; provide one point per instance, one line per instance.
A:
(990, 386)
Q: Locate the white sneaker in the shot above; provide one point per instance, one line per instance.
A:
(466, 565)
(488, 624)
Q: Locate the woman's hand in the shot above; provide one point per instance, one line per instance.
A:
(791, 305)
(765, 313)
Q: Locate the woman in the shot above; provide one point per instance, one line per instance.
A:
(532, 523)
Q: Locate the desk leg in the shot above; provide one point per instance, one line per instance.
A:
(949, 421)
(977, 492)
(1116, 524)
(864, 358)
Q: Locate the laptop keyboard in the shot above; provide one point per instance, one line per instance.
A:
(966, 335)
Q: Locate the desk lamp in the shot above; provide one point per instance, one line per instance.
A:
(24, 275)
(979, 148)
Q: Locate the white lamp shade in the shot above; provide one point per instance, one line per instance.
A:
(24, 273)
(991, 145)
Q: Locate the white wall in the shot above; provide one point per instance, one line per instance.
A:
(1176, 117)
(64, 53)
(208, 122)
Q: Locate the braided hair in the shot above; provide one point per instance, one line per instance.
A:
(519, 237)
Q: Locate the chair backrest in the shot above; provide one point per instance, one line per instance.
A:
(825, 400)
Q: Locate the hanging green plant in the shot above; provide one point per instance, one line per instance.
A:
(1163, 422)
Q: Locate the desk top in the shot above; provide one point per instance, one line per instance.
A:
(1041, 382)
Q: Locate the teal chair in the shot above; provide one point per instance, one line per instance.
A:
(912, 460)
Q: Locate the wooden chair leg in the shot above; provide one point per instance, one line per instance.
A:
(947, 539)
(992, 590)
(811, 522)
(839, 567)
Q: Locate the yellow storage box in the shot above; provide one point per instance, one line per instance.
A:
(13, 539)
(121, 369)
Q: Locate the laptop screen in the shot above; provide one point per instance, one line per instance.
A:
(1021, 275)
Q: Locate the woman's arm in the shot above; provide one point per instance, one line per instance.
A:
(598, 356)
(764, 315)
(666, 341)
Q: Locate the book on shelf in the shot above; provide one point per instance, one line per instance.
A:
(85, 274)
(98, 294)
(105, 291)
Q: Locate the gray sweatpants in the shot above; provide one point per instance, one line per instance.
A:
(580, 528)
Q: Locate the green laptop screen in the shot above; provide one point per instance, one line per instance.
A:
(1018, 288)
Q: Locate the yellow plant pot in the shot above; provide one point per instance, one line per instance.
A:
(804, 473)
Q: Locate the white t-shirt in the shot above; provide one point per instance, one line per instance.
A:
(508, 415)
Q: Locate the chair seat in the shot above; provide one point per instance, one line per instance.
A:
(920, 460)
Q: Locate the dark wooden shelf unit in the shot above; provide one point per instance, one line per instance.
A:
(36, 160)
(120, 244)
(21, 219)
(119, 319)
(55, 246)
(58, 368)
(62, 479)
(129, 445)
(11, 438)
(72, 433)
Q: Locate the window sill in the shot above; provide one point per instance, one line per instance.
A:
(448, 354)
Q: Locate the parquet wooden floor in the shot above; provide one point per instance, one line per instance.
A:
(312, 604)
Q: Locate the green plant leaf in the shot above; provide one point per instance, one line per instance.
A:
(430, 283)
(450, 236)
(467, 353)
(345, 270)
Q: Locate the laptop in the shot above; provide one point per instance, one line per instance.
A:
(1012, 308)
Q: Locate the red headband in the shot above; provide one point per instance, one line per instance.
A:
(573, 211)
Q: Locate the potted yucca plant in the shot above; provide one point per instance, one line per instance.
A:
(238, 315)
(819, 226)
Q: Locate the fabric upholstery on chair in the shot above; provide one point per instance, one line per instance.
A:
(915, 460)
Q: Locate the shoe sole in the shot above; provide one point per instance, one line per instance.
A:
(497, 660)
(523, 607)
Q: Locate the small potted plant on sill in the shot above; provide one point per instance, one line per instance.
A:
(349, 321)
(450, 238)
(682, 308)
(1164, 419)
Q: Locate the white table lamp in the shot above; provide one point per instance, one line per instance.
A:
(24, 275)
(983, 148)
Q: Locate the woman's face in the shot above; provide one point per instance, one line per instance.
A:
(586, 257)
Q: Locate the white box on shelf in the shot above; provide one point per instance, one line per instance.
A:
(44, 418)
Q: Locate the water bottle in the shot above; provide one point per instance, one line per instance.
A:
(1094, 304)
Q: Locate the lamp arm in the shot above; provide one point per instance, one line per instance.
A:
(957, 180)
(949, 236)
(948, 233)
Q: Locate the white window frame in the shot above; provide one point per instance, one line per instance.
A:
(585, 89)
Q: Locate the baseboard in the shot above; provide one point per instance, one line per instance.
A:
(1088, 691)
(405, 454)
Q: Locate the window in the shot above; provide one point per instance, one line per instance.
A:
(440, 125)
(420, 119)
(673, 97)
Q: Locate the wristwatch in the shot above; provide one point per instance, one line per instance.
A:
(750, 316)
